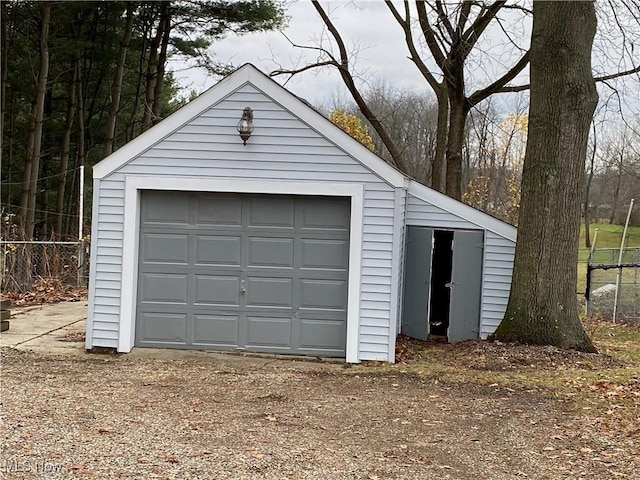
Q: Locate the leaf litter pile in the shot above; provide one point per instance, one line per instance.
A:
(47, 290)
(466, 411)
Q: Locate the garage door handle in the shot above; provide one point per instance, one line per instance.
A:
(243, 288)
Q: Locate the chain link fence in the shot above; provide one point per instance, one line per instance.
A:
(22, 264)
(614, 287)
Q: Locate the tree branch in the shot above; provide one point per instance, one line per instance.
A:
(602, 79)
(344, 60)
(442, 16)
(499, 84)
(343, 68)
(465, 9)
(429, 36)
(405, 24)
(295, 71)
(472, 34)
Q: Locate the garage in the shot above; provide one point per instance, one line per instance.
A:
(247, 221)
(261, 273)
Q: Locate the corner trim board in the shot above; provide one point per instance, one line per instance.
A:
(93, 262)
(396, 281)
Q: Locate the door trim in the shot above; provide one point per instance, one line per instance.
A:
(135, 184)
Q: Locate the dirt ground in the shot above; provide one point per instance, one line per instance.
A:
(106, 416)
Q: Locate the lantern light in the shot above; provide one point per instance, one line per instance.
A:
(245, 125)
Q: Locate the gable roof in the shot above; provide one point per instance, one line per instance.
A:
(251, 75)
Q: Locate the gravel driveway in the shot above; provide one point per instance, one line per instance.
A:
(103, 417)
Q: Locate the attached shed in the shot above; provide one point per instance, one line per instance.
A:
(293, 243)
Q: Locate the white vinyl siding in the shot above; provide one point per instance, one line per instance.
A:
(424, 214)
(107, 273)
(282, 148)
(497, 265)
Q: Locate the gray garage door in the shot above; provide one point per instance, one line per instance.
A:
(263, 273)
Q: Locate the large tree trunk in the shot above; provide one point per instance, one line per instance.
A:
(34, 143)
(147, 26)
(455, 141)
(4, 10)
(438, 166)
(152, 70)
(81, 152)
(116, 86)
(543, 307)
(65, 145)
(160, 67)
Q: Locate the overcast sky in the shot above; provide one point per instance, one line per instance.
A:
(269, 50)
(369, 28)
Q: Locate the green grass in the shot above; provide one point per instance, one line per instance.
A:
(609, 236)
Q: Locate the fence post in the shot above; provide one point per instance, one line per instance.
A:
(619, 275)
(587, 292)
(80, 262)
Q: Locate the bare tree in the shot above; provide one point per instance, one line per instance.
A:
(65, 144)
(116, 86)
(618, 182)
(152, 64)
(450, 36)
(495, 151)
(411, 121)
(34, 143)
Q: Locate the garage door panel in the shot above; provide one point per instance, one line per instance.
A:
(159, 327)
(165, 248)
(268, 332)
(270, 211)
(323, 294)
(259, 272)
(325, 254)
(219, 290)
(218, 250)
(270, 252)
(219, 210)
(267, 292)
(325, 214)
(165, 207)
(164, 288)
(215, 330)
(319, 335)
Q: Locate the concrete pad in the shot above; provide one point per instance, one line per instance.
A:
(40, 327)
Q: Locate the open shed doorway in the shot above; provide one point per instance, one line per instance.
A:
(442, 284)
